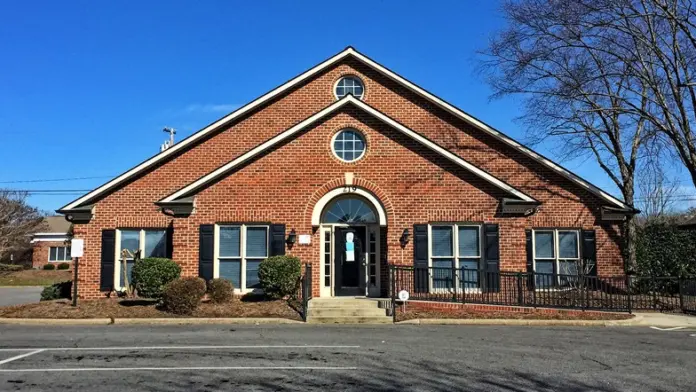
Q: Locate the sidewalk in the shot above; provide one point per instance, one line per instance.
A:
(664, 320)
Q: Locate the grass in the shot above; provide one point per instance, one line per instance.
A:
(144, 308)
(473, 314)
(33, 277)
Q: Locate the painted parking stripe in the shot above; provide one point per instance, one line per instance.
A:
(668, 329)
(179, 368)
(8, 360)
(137, 348)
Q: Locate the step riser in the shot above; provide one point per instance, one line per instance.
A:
(342, 312)
(349, 320)
(342, 306)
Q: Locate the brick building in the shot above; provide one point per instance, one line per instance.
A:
(50, 245)
(350, 167)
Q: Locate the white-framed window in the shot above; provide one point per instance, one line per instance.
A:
(59, 254)
(349, 85)
(455, 247)
(348, 145)
(150, 243)
(556, 251)
(239, 252)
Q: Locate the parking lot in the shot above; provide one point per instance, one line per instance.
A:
(301, 357)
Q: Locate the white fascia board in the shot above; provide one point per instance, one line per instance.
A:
(335, 106)
(497, 134)
(203, 132)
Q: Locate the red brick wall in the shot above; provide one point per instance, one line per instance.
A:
(40, 253)
(414, 184)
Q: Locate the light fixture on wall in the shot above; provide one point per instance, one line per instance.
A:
(292, 237)
(404, 238)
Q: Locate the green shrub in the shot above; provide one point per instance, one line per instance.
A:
(49, 267)
(279, 276)
(63, 266)
(183, 295)
(663, 249)
(150, 275)
(57, 291)
(220, 291)
(10, 267)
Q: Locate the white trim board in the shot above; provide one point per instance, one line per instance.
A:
(348, 99)
(349, 51)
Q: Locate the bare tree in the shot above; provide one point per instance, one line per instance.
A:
(657, 192)
(18, 221)
(560, 57)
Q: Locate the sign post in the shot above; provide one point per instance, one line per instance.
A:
(403, 297)
(76, 249)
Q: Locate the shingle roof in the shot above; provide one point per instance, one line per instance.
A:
(56, 224)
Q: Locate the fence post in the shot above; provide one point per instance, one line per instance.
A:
(392, 278)
(520, 300)
(654, 290)
(681, 294)
(454, 282)
(628, 290)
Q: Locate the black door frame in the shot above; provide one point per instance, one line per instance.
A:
(360, 260)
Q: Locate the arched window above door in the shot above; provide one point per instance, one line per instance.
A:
(349, 209)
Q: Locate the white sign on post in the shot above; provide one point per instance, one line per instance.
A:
(403, 295)
(77, 246)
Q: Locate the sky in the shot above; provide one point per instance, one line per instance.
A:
(86, 87)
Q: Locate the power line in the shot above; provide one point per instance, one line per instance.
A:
(55, 179)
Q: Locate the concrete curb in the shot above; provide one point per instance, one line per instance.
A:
(148, 321)
(575, 323)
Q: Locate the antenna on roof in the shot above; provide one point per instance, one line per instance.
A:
(170, 142)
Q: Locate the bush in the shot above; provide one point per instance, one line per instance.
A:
(182, 295)
(10, 267)
(57, 291)
(49, 267)
(663, 249)
(151, 275)
(279, 276)
(220, 291)
(63, 266)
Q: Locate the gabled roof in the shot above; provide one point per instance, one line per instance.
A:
(308, 74)
(346, 100)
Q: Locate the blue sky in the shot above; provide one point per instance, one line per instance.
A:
(86, 87)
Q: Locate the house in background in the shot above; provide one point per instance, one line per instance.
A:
(350, 167)
(51, 244)
(689, 224)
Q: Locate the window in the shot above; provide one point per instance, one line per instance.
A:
(349, 85)
(349, 210)
(59, 254)
(455, 247)
(241, 248)
(149, 242)
(555, 252)
(348, 145)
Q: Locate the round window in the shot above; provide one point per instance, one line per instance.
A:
(349, 145)
(349, 85)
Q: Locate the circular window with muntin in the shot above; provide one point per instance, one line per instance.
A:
(349, 85)
(348, 145)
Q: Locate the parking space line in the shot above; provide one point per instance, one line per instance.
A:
(8, 360)
(136, 348)
(179, 368)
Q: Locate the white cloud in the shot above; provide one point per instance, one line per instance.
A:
(211, 108)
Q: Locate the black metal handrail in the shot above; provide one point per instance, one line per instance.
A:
(614, 293)
(306, 290)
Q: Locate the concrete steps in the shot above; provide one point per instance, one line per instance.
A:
(346, 311)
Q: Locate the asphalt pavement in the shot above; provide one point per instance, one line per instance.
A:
(19, 295)
(360, 358)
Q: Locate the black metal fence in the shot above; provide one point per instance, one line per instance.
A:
(306, 290)
(611, 293)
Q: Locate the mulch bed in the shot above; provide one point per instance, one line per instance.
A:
(139, 308)
(472, 314)
(33, 277)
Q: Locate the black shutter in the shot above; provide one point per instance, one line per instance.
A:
(420, 258)
(170, 240)
(530, 261)
(491, 246)
(589, 251)
(277, 240)
(206, 248)
(108, 260)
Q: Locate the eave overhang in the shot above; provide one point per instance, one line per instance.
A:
(610, 213)
(79, 215)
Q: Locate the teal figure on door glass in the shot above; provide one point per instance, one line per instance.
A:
(350, 248)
